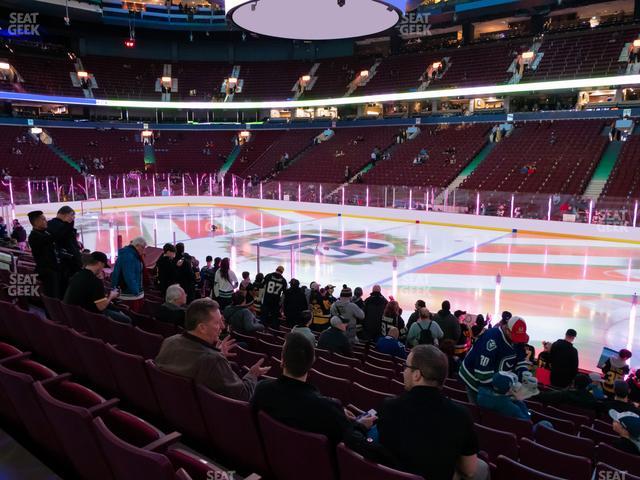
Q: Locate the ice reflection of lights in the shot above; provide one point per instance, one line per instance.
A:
(632, 321)
(394, 278)
(496, 301)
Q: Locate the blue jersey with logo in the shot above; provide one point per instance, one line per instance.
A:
(491, 353)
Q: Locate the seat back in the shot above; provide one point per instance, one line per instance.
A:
(177, 399)
(596, 435)
(232, 430)
(328, 367)
(122, 335)
(354, 362)
(132, 380)
(38, 337)
(15, 328)
(508, 469)
(521, 428)
(365, 398)
(563, 442)
(496, 442)
(76, 317)
(576, 419)
(247, 358)
(353, 465)
(548, 460)
(329, 386)
(603, 470)
(98, 325)
(621, 460)
(54, 309)
(66, 355)
(18, 386)
(369, 380)
(94, 357)
(148, 343)
(73, 425)
(290, 451)
(128, 462)
(565, 426)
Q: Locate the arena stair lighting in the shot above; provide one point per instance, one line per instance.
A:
(493, 90)
(314, 19)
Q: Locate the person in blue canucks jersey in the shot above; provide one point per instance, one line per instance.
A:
(499, 349)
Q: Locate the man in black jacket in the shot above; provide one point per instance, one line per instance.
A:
(295, 302)
(448, 323)
(373, 310)
(44, 254)
(166, 268)
(563, 360)
(293, 401)
(66, 243)
(335, 338)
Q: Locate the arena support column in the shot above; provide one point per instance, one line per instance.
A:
(468, 32)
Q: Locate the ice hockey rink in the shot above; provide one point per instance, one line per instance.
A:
(553, 282)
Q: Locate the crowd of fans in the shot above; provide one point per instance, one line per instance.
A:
(495, 361)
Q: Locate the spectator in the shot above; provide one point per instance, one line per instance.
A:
(357, 299)
(127, 273)
(578, 396)
(415, 315)
(173, 309)
(258, 285)
(246, 281)
(449, 349)
(500, 348)
(166, 268)
(390, 345)
(425, 331)
(207, 276)
(479, 328)
(463, 344)
(498, 396)
(86, 289)
(620, 401)
(44, 254)
(274, 287)
(184, 268)
(404, 421)
(199, 354)
(302, 327)
(595, 387)
(615, 368)
(240, 317)
(295, 402)
(392, 317)
(66, 243)
(335, 339)
(627, 425)
(348, 311)
(448, 322)
(563, 360)
(634, 386)
(19, 234)
(4, 234)
(318, 308)
(374, 307)
(224, 284)
(295, 302)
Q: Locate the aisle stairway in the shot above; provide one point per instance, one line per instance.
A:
(603, 170)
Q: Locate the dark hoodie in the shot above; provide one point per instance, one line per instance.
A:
(374, 307)
(449, 325)
(64, 236)
(295, 302)
(241, 319)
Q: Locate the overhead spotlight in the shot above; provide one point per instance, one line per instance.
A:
(341, 3)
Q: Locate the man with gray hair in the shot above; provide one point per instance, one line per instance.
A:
(427, 433)
(335, 338)
(199, 354)
(127, 273)
(173, 310)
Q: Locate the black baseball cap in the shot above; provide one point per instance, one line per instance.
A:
(101, 257)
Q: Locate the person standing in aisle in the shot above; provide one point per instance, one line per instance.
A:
(274, 286)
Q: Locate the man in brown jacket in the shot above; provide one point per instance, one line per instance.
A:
(199, 354)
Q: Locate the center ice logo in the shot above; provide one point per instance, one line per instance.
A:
(329, 246)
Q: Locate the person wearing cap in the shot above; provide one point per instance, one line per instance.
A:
(498, 396)
(294, 303)
(44, 254)
(335, 338)
(166, 268)
(620, 401)
(415, 315)
(448, 322)
(374, 307)
(349, 311)
(274, 287)
(563, 360)
(86, 289)
(627, 425)
(500, 348)
(240, 317)
(615, 368)
(595, 387)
